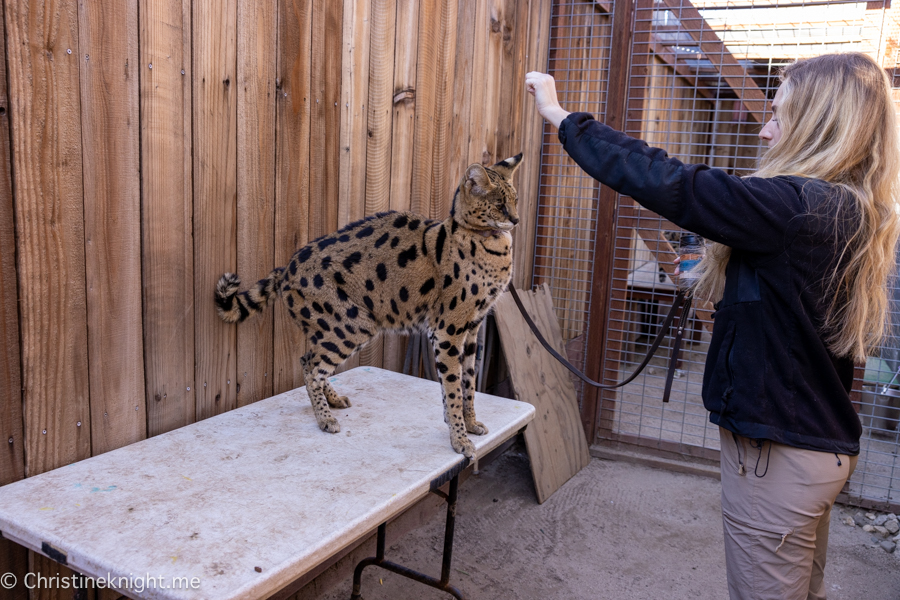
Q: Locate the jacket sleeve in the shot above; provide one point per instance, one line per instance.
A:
(753, 214)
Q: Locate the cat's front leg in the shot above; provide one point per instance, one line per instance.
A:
(469, 378)
(448, 350)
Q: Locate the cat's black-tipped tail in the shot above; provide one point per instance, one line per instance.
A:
(234, 307)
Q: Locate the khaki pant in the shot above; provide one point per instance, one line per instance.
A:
(776, 509)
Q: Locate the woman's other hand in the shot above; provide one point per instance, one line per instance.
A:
(543, 88)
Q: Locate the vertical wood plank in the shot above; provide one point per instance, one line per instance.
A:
(256, 45)
(215, 194)
(405, 54)
(13, 558)
(379, 131)
(112, 221)
(477, 123)
(325, 114)
(358, 28)
(292, 172)
(12, 439)
(464, 68)
(423, 150)
(166, 213)
(354, 116)
(46, 121)
(493, 66)
(443, 109)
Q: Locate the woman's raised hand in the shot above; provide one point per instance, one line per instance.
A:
(543, 88)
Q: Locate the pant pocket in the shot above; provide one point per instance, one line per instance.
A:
(765, 561)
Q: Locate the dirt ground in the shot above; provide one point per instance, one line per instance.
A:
(616, 531)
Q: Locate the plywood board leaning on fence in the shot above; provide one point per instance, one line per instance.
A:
(555, 440)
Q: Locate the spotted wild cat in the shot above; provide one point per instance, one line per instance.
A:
(396, 270)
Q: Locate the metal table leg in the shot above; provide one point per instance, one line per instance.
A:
(443, 582)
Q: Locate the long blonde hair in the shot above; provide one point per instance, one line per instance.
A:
(838, 124)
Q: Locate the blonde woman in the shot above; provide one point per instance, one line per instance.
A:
(798, 269)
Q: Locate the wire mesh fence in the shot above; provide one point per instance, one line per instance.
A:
(702, 76)
(580, 41)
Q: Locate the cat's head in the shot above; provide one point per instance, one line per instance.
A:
(486, 199)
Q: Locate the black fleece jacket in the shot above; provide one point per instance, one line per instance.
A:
(768, 372)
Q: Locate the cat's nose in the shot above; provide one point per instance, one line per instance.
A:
(514, 220)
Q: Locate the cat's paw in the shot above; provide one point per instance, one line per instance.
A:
(339, 402)
(329, 425)
(477, 428)
(464, 446)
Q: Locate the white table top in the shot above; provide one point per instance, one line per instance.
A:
(260, 486)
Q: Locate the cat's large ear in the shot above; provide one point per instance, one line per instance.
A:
(507, 167)
(477, 181)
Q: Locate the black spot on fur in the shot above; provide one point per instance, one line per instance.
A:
(323, 324)
(339, 279)
(390, 319)
(368, 302)
(462, 295)
(304, 254)
(369, 285)
(462, 256)
(342, 295)
(365, 232)
(427, 286)
(414, 224)
(304, 312)
(303, 282)
(381, 271)
(407, 256)
(317, 281)
(453, 351)
(293, 267)
(456, 270)
(344, 238)
(349, 344)
(381, 241)
(318, 308)
(404, 294)
(351, 260)
(453, 303)
(339, 332)
(401, 221)
(327, 242)
(326, 262)
(352, 313)
(331, 347)
(442, 367)
(451, 329)
(394, 242)
(444, 345)
(290, 301)
(394, 307)
(328, 308)
(471, 349)
(472, 247)
(474, 289)
(439, 244)
(451, 377)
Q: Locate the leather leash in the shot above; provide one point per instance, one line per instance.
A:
(683, 300)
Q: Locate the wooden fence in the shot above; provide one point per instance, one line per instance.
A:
(148, 147)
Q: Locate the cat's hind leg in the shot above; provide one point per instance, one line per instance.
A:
(317, 371)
